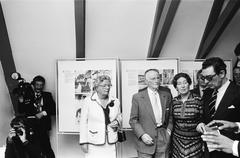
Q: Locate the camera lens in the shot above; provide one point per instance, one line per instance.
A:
(19, 132)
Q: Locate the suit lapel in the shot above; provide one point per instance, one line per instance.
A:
(225, 102)
(148, 105)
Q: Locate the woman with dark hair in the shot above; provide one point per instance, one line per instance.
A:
(100, 121)
(187, 112)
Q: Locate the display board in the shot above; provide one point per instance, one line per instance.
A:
(132, 79)
(191, 67)
(75, 82)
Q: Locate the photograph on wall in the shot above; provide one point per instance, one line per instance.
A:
(75, 83)
(133, 80)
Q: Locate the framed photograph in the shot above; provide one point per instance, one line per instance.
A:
(132, 79)
(75, 82)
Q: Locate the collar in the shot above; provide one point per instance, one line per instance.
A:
(95, 97)
(151, 91)
(224, 86)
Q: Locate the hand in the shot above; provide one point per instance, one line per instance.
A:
(23, 136)
(147, 139)
(218, 142)
(114, 124)
(39, 115)
(11, 134)
(201, 127)
(168, 134)
(84, 148)
(224, 125)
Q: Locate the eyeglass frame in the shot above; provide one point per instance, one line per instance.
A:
(105, 86)
(209, 78)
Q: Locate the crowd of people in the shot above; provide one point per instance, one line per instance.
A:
(197, 123)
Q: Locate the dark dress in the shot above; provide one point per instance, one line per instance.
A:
(186, 141)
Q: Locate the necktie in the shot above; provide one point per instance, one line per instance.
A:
(156, 108)
(212, 103)
(38, 99)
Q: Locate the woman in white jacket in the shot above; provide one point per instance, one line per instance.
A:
(100, 120)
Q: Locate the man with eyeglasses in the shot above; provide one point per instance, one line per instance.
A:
(225, 106)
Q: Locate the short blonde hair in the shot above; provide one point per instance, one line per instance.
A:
(99, 80)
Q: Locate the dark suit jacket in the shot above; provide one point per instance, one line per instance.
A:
(228, 109)
(142, 119)
(16, 149)
(48, 105)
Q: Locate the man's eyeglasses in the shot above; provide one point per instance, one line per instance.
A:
(208, 78)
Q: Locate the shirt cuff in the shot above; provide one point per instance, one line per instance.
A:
(238, 124)
(235, 148)
(44, 113)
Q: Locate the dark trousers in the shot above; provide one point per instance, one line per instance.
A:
(45, 145)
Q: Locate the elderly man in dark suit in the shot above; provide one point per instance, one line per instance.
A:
(150, 117)
(221, 100)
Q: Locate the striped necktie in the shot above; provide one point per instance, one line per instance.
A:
(212, 104)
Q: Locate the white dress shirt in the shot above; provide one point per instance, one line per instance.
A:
(152, 94)
(221, 92)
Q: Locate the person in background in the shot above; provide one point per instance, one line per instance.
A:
(221, 100)
(220, 142)
(44, 108)
(187, 113)
(100, 120)
(151, 119)
(236, 75)
(236, 68)
(237, 53)
(21, 142)
(201, 85)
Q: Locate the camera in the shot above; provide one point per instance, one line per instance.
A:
(22, 122)
(17, 128)
(24, 90)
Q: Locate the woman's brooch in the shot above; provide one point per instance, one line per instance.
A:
(111, 104)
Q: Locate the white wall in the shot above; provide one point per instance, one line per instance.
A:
(227, 42)
(40, 32)
(6, 109)
(187, 29)
(119, 28)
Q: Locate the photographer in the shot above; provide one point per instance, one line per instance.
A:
(39, 105)
(44, 108)
(24, 95)
(21, 142)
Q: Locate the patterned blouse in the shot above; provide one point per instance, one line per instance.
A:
(186, 141)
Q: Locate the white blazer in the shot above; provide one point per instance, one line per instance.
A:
(92, 121)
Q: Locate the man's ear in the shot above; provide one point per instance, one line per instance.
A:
(222, 73)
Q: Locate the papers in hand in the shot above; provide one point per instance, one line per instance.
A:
(211, 131)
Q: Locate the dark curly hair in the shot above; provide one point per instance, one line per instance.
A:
(179, 75)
